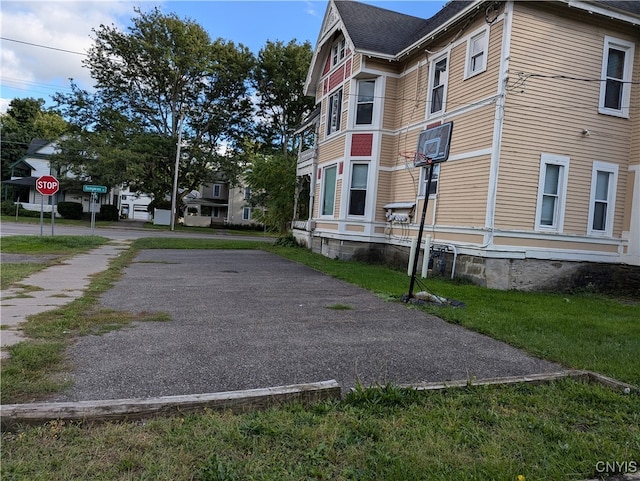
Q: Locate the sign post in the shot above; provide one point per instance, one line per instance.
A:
(94, 190)
(46, 185)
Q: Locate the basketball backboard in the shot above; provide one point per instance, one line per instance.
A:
(433, 145)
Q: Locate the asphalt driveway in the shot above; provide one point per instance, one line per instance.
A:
(250, 319)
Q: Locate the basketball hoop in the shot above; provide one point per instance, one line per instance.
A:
(415, 157)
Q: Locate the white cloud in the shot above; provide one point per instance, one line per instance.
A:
(63, 25)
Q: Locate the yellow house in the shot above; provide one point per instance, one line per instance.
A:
(543, 174)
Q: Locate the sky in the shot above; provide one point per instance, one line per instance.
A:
(42, 42)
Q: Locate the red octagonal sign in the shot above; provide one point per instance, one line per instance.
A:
(47, 185)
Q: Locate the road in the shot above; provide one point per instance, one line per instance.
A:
(121, 231)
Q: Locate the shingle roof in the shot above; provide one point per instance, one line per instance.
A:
(632, 6)
(36, 144)
(376, 29)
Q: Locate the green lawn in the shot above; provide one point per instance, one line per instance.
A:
(562, 430)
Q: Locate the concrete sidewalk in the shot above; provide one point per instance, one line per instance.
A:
(51, 288)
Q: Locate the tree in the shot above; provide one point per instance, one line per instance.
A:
(25, 120)
(273, 180)
(279, 78)
(162, 78)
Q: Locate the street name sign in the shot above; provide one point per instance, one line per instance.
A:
(96, 189)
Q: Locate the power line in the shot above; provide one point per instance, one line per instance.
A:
(42, 46)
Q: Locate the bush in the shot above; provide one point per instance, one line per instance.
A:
(70, 210)
(8, 207)
(287, 240)
(109, 212)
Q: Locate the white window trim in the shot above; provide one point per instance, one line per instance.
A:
(562, 161)
(248, 211)
(367, 190)
(218, 188)
(340, 54)
(321, 214)
(432, 65)
(340, 93)
(629, 49)
(424, 177)
(357, 103)
(484, 32)
(611, 201)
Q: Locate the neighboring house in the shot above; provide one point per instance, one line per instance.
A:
(544, 168)
(218, 204)
(36, 163)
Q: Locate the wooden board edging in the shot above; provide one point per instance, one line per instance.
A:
(580, 375)
(12, 415)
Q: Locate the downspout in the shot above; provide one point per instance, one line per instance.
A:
(498, 124)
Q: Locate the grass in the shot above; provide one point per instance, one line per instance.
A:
(561, 430)
(58, 221)
(557, 431)
(57, 245)
(36, 367)
(12, 273)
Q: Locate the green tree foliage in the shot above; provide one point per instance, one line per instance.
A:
(273, 180)
(279, 78)
(162, 77)
(26, 119)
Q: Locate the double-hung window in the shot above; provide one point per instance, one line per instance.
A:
(358, 190)
(615, 85)
(246, 213)
(434, 180)
(334, 112)
(338, 51)
(364, 108)
(552, 188)
(438, 86)
(329, 190)
(476, 54)
(604, 178)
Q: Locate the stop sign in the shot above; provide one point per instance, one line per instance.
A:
(47, 185)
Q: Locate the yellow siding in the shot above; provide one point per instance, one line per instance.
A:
(462, 92)
(385, 194)
(388, 150)
(547, 44)
(331, 150)
(472, 130)
(390, 104)
(462, 192)
(404, 185)
(356, 63)
(378, 65)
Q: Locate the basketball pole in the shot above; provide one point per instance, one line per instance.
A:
(414, 268)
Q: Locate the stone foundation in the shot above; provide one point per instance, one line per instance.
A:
(503, 274)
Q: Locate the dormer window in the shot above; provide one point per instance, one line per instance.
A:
(338, 51)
